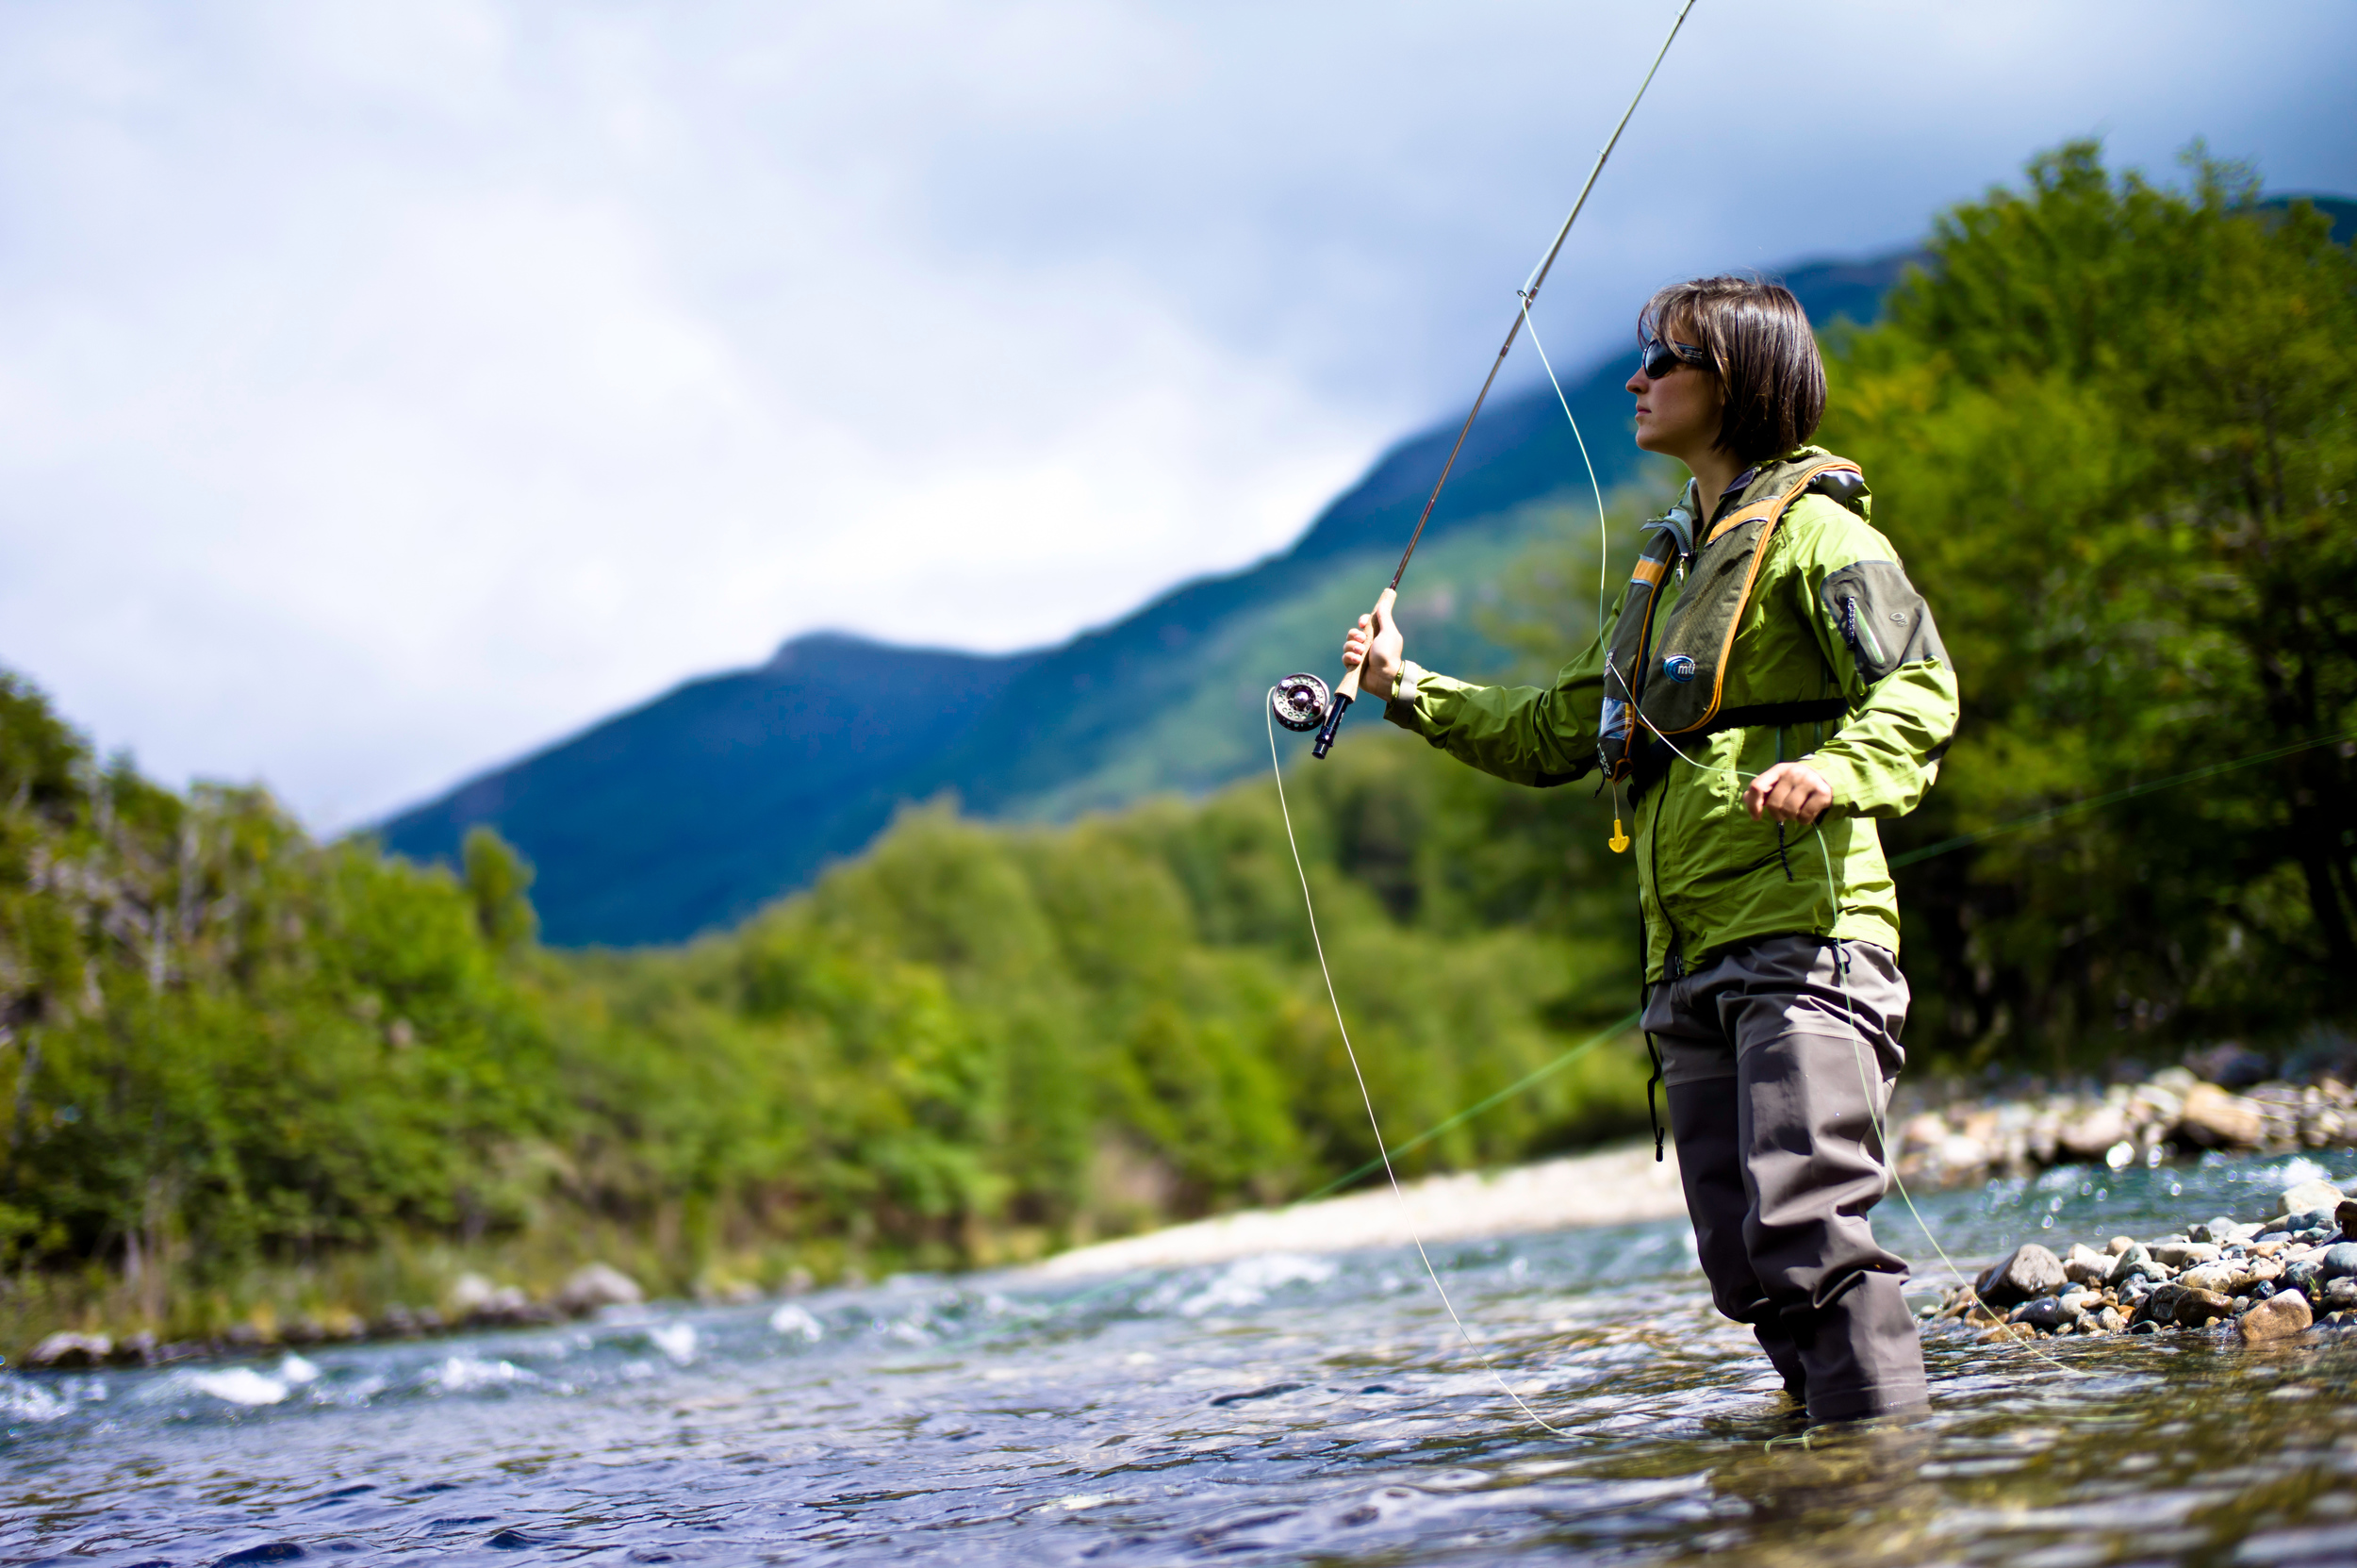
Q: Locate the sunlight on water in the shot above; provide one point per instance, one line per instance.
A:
(1282, 1409)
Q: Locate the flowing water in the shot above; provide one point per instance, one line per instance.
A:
(1284, 1408)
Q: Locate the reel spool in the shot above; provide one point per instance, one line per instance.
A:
(1301, 701)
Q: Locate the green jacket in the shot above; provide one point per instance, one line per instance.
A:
(1831, 613)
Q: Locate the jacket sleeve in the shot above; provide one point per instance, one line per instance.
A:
(1878, 638)
(1540, 736)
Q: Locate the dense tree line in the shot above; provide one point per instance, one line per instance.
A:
(2110, 429)
(2114, 431)
(229, 1047)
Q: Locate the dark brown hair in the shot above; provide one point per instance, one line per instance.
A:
(1758, 339)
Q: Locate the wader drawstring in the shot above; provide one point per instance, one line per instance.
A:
(1651, 1115)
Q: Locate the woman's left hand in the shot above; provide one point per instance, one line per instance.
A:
(1789, 792)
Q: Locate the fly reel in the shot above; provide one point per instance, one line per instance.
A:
(1301, 701)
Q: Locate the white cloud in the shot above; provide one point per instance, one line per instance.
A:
(386, 388)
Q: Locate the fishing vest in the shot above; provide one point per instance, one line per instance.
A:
(1652, 698)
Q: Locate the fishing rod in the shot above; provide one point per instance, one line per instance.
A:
(1303, 701)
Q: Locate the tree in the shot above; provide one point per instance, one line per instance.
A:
(2111, 429)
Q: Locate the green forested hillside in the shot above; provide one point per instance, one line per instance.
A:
(2111, 431)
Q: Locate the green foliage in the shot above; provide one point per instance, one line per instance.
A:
(230, 1051)
(2111, 430)
(500, 883)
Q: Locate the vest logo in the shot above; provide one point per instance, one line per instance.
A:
(1678, 666)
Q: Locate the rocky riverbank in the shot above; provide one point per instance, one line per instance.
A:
(2175, 1112)
(474, 1303)
(2264, 1279)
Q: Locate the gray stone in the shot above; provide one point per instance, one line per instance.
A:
(2160, 1306)
(2341, 1294)
(2224, 1275)
(2027, 1272)
(596, 1285)
(2338, 1261)
(71, 1349)
(470, 1291)
(2047, 1313)
(2119, 1245)
(2195, 1309)
(2090, 1135)
(2136, 1264)
(2310, 1196)
(2277, 1317)
(2216, 1119)
(2182, 1255)
(2086, 1266)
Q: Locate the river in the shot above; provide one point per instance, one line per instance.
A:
(1276, 1409)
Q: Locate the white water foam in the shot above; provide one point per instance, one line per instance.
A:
(795, 1323)
(239, 1385)
(466, 1374)
(675, 1340)
(1248, 1282)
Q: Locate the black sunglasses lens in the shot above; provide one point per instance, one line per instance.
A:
(1657, 360)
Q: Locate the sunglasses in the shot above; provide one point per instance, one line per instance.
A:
(1660, 356)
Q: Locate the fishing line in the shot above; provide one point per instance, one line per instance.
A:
(1487, 1363)
(1469, 1111)
(1964, 840)
(1331, 705)
(1604, 542)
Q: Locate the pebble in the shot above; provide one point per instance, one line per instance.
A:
(2277, 1317)
(2027, 1272)
(71, 1349)
(2084, 1265)
(2312, 1195)
(2271, 1279)
(2134, 1265)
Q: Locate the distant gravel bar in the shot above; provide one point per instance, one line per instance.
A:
(1619, 1186)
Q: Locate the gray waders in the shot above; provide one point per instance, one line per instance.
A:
(1780, 1160)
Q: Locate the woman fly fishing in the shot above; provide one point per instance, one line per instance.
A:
(1768, 677)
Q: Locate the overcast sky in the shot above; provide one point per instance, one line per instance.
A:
(387, 388)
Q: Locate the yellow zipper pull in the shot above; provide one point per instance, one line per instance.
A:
(1619, 839)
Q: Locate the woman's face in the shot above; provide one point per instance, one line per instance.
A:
(1679, 414)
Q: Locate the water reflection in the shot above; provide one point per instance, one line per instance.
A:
(1279, 1410)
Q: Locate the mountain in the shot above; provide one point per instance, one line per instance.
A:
(687, 813)
(695, 809)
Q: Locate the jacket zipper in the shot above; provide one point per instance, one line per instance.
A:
(1859, 636)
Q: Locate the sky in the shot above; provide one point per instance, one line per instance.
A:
(386, 390)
